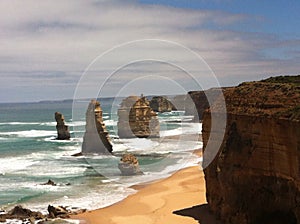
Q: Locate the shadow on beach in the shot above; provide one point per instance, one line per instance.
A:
(200, 213)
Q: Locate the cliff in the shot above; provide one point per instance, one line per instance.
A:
(96, 138)
(255, 177)
(63, 132)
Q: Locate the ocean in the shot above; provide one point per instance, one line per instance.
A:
(30, 156)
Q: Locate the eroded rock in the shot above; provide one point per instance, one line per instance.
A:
(18, 212)
(63, 132)
(137, 119)
(161, 104)
(129, 165)
(96, 138)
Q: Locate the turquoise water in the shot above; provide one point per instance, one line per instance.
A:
(30, 155)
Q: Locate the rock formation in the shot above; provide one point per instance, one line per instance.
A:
(63, 132)
(255, 177)
(129, 165)
(161, 104)
(96, 138)
(49, 182)
(18, 212)
(137, 119)
(195, 102)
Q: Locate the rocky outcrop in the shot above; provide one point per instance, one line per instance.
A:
(255, 177)
(161, 104)
(63, 132)
(137, 119)
(196, 102)
(28, 216)
(50, 183)
(96, 138)
(18, 212)
(129, 165)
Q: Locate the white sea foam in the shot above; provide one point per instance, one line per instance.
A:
(53, 139)
(13, 164)
(30, 133)
(185, 129)
(18, 123)
(110, 123)
(77, 123)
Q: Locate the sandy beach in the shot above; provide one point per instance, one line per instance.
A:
(177, 199)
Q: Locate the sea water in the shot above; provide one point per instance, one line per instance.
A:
(30, 156)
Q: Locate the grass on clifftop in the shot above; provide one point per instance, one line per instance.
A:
(284, 79)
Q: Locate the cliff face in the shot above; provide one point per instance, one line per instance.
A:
(255, 177)
(96, 138)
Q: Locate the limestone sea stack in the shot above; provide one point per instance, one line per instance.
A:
(255, 177)
(63, 132)
(129, 165)
(161, 104)
(96, 138)
(137, 119)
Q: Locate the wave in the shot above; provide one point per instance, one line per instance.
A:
(185, 129)
(30, 133)
(71, 124)
(13, 164)
(53, 139)
(110, 123)
(19, 123)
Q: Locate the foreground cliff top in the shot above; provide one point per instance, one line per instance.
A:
(276, 96)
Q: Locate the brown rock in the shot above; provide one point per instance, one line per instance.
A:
(161, 104)
(255, 178)
(18, 212)
(96, 138)
(129, 165)
(63, 132)
(137, 119)
(58, 212)
(49, 182)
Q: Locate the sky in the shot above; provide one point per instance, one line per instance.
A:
(52, 50)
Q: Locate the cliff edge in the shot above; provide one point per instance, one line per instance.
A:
(255, 177)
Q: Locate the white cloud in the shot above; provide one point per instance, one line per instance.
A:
(40, 39)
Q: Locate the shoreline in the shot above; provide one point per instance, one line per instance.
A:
(156, 202)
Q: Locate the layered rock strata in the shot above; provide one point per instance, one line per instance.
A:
(137, 119)
(96, 138)
(255, 177)
(63, 132)
(161, 104)
(129, 165)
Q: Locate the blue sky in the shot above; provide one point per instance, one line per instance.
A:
(277, 16)
(45, 46)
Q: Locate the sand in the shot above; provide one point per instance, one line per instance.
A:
(183, 194)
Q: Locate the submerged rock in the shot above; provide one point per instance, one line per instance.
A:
(63, 132)
(137, 119)
(50, 182)
(129, 165)
(96, 138)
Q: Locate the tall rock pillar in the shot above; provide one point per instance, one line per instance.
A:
(96, 138)
(63, 132)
